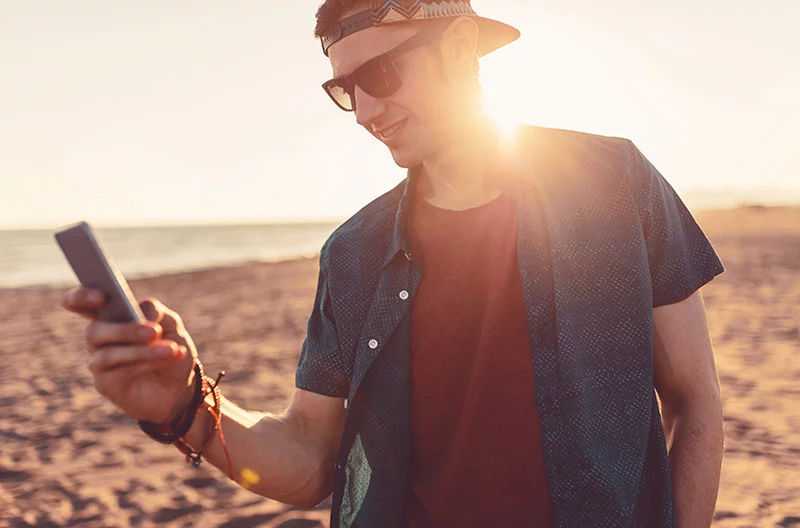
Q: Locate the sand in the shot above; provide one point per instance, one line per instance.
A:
(68, 458)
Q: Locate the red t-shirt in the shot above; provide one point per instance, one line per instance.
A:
(476, 449)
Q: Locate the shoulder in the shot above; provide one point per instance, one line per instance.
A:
(368, 228)
(566, 161)
(572, 146)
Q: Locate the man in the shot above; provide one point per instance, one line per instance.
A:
(488, 339)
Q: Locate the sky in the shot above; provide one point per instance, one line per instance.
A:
(132, 112)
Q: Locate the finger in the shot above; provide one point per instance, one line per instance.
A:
(116, 378)
(91, 316)
(169, 320)
(83, 300)
(113, 357)
(101, 333)
(143, 367)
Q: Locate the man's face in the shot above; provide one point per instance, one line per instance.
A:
(414, 121)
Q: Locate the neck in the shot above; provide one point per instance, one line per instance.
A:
(458, 177)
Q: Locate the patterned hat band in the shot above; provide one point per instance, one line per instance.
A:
(493, 34)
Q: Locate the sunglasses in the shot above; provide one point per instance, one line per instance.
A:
(378, 76)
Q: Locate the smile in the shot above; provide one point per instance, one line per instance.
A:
(388, 132)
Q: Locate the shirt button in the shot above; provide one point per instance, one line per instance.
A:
(404, 295)
(373, 344)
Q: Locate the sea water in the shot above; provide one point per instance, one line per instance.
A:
(32, 257)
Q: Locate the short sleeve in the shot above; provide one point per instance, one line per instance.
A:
(680, 256)
(321, 367)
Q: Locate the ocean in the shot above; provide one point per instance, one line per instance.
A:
(32, 257)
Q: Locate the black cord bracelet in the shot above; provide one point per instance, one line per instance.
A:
(169, 433)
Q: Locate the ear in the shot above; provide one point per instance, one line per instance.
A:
(459, 47)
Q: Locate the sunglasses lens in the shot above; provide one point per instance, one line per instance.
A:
(340, 96)
(378, 78)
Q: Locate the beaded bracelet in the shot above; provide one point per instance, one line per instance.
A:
(194, 457)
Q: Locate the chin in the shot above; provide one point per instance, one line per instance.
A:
(409, 156)
(406, 158)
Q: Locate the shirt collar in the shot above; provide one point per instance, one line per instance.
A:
(399, 236)
(507, 180)
(399, 243)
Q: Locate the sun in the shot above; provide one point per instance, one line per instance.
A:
(500, 110)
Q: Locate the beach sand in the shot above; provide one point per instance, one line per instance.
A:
(68, 458)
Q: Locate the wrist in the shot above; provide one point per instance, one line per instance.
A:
(171, 431)
(185, 398)
(203, 423)
(210, 409)
(190, 424)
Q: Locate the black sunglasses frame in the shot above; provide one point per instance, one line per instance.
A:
(383, 63)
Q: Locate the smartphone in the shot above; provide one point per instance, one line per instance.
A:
(95, 269)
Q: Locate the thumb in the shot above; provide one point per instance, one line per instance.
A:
(169, 320)
(153, 310)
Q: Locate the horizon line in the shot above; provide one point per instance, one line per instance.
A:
(164, 223)
(130, 224)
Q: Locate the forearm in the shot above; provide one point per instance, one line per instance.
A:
(695, 440)
(269, 454)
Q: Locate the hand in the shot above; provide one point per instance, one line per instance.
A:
(146, 370)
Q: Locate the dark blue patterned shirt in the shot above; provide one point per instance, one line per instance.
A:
(603, 239)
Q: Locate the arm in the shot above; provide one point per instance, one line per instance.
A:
(292, 454)
(688, 388)
(146, 370)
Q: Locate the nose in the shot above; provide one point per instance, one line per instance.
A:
(367, 107)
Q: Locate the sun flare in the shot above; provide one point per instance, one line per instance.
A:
(502, 115)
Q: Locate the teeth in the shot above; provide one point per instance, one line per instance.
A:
(388, 132)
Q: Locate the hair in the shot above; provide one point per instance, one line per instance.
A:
(332, 11)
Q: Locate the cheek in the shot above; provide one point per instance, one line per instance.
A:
(421, 93)
(422, 99)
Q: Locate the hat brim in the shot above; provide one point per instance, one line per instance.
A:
(493, 35)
